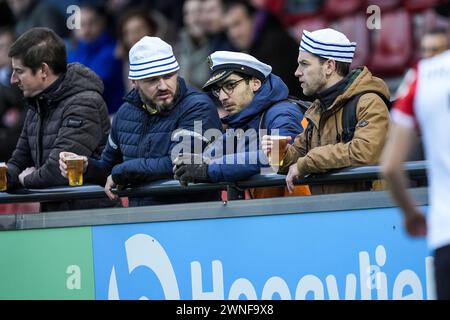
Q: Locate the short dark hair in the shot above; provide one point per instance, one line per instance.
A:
(39, 45)
(437, 31)
(342, 68)
(249, 8)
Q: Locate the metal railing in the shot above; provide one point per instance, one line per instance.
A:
(415, 169)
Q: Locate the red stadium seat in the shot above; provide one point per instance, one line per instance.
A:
(309, 24)
(393, 44)
(354, 27)
(338, 8)
(384, 4)
(419, 5)
(294, 11)
(274, 6)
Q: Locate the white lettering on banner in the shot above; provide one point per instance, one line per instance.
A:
(350, 287)
(143, 250)
(197, 284)
(276, 285)
(73, 281)
(309, 283)
(431, 286)
(241, 287)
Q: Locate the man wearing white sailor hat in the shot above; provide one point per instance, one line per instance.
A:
(153, 71)
(139, 146)
(347, 123)
(254, 98)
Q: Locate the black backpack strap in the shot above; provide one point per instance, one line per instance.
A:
(349, 120)
(303, 105)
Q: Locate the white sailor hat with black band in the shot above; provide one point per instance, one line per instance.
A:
(151, 57)
(328, 43)
(224, 63)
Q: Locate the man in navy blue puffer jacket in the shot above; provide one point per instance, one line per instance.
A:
(140, 143)
(254, 99)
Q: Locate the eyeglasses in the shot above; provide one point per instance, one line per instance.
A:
(227, 87)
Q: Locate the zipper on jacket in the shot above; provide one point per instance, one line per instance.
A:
(39, 135)
(141, 139)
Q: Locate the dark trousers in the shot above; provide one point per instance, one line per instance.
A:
(442, 272)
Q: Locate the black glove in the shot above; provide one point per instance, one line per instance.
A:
(195, 173)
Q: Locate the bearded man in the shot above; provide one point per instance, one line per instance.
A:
(140, 143)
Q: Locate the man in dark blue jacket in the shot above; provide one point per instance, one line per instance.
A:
(255, 99)
(140, 143)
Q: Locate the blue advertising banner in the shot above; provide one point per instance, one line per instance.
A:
(358, 254)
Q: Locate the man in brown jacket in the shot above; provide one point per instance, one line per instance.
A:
(323, 70)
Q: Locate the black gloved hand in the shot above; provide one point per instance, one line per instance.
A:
(195, 173)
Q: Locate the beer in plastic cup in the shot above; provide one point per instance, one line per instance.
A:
(278, 147)
(74, 170)
(3, 180)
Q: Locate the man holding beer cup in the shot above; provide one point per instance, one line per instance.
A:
(254, 99)
(324, 70)
(66, 112)
(140, 143)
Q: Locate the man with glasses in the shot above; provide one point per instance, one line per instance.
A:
(140, 143)
(254, 99)
(324, 70)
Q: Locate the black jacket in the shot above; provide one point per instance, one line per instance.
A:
(70, 115)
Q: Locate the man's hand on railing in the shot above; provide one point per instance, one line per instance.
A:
(62, 162)
(190, 168)
(291, 176)
(110, 184)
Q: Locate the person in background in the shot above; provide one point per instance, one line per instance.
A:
(192, 46)
(139, 148)
(434, 41)
(425, 108)
(212, 23)
(36, 13)
(12, 107)
(94, 47)
(260, 34)
(133, 25)
(66, 112)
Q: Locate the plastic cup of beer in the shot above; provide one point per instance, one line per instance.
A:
(278, 148)
(74, 170)
(3, 180)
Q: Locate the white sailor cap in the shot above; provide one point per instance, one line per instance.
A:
(328, 43)
(151, 57)
(224, 63)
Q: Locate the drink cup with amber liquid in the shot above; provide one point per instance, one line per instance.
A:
(74, 170)
(3, 180)
(276, 155)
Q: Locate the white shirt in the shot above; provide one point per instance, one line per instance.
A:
(426, 105)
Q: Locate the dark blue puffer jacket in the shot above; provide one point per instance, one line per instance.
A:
(279, 113)
(139, 145)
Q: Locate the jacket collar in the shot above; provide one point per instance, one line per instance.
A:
(328, 96)
(48, 95)
(272, 90)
